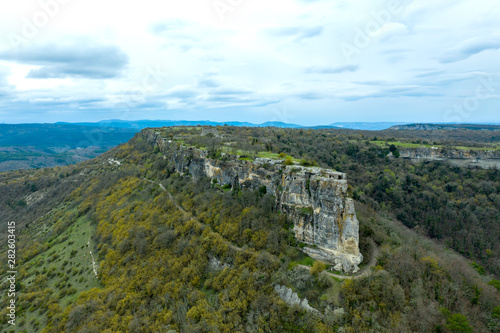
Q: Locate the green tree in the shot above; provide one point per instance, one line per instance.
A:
(458, 323)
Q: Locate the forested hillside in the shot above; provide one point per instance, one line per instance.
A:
(34, 146)
(136, 247)
(458, 206)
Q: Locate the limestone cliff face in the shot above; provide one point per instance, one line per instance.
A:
(314, 198)
(443, 153)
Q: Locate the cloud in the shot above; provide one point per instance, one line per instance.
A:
(207, 80)
(429, 73)
(80, 60)
(208, 83)
(168, 26)
(182, 92)
(297, 33)
(395, 91)
(237, 97)
(220, 97)
(332, 70)
(311, 95)
(390, 29)
(469, 48)
(232, 91)
(449, 79)
(3, 76)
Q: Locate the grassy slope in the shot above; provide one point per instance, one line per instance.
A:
(66, 265)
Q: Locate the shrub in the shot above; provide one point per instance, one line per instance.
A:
(496, 312)
(480, 269)
(317, 268)
(308, 163)
(495, 283)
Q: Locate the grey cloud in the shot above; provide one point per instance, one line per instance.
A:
(248, 101)
(70, 61)
(333, 70)
(469, 48)
(208, 83)
(238, 96)
(392, 92)
(57, 102)
(207, 80)
(232, 91)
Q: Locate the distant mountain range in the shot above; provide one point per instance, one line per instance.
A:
(140, 124)
(367, 126)
(376, 126)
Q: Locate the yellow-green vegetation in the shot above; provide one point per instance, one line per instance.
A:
(317, 268)
(192, 257)
(307, 261)
(276, 156)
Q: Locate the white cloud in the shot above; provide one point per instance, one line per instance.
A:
(469, 48)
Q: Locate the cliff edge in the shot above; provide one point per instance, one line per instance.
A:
(314, 198)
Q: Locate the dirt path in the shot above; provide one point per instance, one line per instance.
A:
(179, 207)
(364, 272)
(94, 264)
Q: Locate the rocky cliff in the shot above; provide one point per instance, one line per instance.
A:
(430, 127)
(469, 158)
(445, 153)
(314, 198)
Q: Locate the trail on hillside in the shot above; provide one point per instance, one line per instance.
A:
(364, 272)
(179, 207)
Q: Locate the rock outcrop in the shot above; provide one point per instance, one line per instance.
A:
(448, 153)
(291, 298)
(314, 198)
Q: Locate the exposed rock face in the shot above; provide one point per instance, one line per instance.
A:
(291, 298)
(470, 158)
(443, 153)
(430, 127)
(314, 198)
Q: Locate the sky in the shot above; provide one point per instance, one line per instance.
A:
(306, 62)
